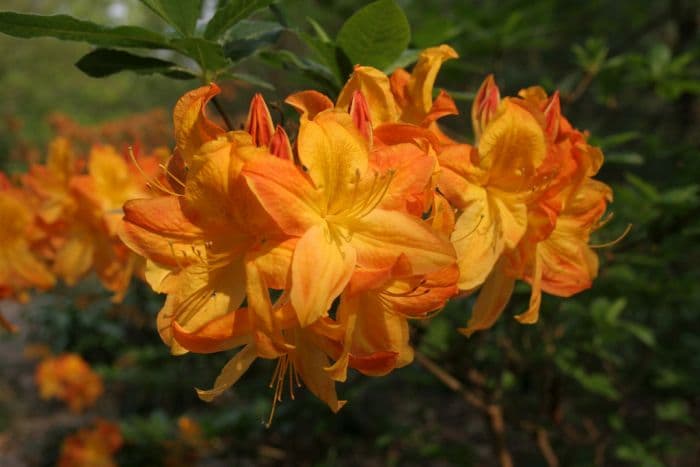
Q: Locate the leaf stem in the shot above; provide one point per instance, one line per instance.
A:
(220, 109)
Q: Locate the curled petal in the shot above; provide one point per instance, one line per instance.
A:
(422, 81)
(230, 374)
(192, 126)
(309, 103)
(443, 105)
(223, 333)
(374, 86)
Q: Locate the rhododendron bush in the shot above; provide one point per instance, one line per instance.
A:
(326, 233)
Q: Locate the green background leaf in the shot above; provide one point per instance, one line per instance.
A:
(375, 35)
(104, 62)
(68, 28)
(209, 55)
(230, 13)
(180, 14)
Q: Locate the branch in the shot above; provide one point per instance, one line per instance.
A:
(492, 412)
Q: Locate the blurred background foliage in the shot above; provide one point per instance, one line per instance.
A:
(609, 377)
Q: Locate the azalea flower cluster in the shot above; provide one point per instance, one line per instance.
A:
(316, 251)
(60, 219)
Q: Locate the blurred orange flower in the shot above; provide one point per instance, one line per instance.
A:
(70, 379)
(92, 447)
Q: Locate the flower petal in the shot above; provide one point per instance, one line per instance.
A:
(232, 372)
(192, 126)
(223, 333)
(285, 193)
(309, 361)
(335, 155)
(374, 86)
(492, 299)
(511, 147)
(321, 268)
(158, 229)
(381, 236)
(309, 103)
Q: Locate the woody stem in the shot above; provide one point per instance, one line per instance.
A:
(491, 411)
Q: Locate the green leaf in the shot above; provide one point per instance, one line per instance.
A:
(604, 311)
(407, 57)
(645, 188)
(180, 14)
(208, 55)
(685, 195)
(375, 35)
(230, 13)
(248, 36)
(643, 333)
(71, 29)
(104, 62)
(321, 33)
(309, 68)
(251, 79)
(626, 158)
(330, 56)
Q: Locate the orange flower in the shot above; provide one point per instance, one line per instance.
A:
(404, 98)
(92, 447)
(20, 269)
(527, 202)
(246, 222)
(91, 240)
(306, 354)
(212, 245)
(490, 186)
(79, 211)
(554, 255)
(69, 378)
(336, 205)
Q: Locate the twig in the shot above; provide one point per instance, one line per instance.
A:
(546, 447)
(220, 109)
(581, 87)
(5, 324)
(491, 411)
